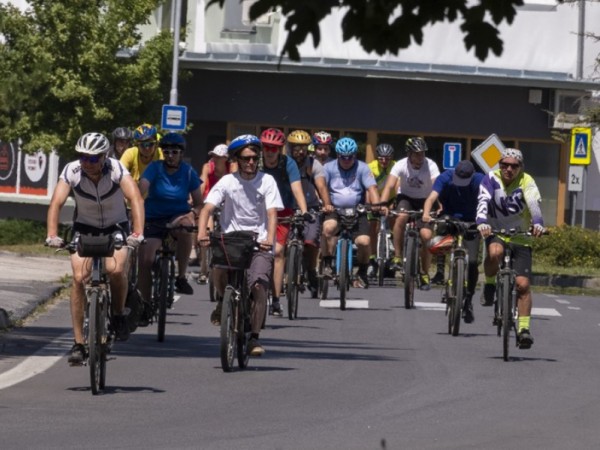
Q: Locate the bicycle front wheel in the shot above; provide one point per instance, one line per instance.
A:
(94, 341)
(410, 271)
(343, 274)
(505, 297)
(293, 277)
(228, 330)
(243, 333)
(458, 288)
(163, 298)
(381, 256)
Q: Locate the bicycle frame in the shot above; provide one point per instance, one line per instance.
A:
(411, 258)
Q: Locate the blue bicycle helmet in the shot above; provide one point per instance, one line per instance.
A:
(145, 132)
(243, 141)
(171, 140)
(346, 147)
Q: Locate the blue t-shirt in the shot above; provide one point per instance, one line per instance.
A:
(458, 202)
(285, 183)
(168, 194)
(347, 187)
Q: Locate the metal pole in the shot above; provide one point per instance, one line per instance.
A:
(580, 37)
(573, 207)
(175, 73)
(584, 197)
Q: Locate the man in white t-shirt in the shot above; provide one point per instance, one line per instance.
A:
(250, 203)
(417, 174)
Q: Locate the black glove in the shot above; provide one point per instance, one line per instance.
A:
(308, 217)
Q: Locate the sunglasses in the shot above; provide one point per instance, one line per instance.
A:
(271, 148)
(347, 158)
(507, 165)
(171, 151)
(147, 144)
(299, 148)
(248, 158)
(92, 159)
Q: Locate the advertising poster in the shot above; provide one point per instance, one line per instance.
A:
(8, 167)
(34, 174)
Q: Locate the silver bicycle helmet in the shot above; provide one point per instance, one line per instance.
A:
(92, 144)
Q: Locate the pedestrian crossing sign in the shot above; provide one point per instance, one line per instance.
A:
(581, 143)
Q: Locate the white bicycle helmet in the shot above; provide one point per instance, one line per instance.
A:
(92, 144)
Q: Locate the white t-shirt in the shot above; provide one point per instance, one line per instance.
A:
(415, 183)
(245, 202)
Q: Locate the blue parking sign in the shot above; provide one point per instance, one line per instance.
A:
(452, 154)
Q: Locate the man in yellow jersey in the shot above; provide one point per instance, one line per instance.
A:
(137, 158)
(380, 168)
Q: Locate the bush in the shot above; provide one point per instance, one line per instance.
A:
(568, 246)
(18, 231)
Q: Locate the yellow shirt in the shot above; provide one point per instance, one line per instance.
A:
(380, 177)
(132, 162)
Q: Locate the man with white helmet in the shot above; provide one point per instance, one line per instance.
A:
(100, 186)
(509, 198)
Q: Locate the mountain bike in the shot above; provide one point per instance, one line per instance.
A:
(385, 249)
(163, 276)
(97, 328)
(233, 251)
(453, 293)
(412, 250)
(294, 273)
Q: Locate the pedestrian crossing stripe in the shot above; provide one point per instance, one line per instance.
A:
(546, 312)
(350, 304)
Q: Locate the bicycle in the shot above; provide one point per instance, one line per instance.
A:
(294, 273)
(453, 293)
(212, 290)
(385, 249)
(411, 263)
(233, 251)
(163, 276)
(97, 327)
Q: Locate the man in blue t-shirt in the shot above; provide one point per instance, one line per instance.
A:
(348, 180)
(457, 190)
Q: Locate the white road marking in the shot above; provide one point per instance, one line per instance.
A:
(563, 302)
(35, 364)
(575, 308)
(428, 306)
(350, 304)
(551, 295)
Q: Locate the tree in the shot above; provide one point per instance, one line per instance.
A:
(390, 25)
(61, 76)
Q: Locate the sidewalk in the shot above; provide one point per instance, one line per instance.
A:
(27, 281)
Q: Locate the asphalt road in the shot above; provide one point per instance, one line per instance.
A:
(373, 377)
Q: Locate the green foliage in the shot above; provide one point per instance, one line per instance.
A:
(390, 25)
(16, 231)
(568, 246)
(62, 77)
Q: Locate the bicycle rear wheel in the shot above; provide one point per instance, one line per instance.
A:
(163, 297)
(293, 276)
(410, 271)
(243, 334)
(458, 287)
(343, 275)
(505, 297)
(229, 339)
(94, 341)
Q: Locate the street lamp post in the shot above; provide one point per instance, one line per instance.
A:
(174, 75)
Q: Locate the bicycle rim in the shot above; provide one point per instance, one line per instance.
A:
(228, 334)
(94, 353)
(410, 272)
(103, 338)
(506, 314)
(163, 296)
(458, 288)
(243, 335)
(343, 275)
(292, 280)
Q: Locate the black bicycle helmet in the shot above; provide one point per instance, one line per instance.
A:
(384, 150)
(122, 133)
(416, 145)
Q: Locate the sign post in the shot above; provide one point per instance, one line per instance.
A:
(581, 155)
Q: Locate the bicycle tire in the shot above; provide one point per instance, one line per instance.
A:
(93, 341)
(228, 346)
(458, 288)
(381, 256)
(343, 273)
(506, 299)
(103, 333)
(243, 335)
(212, 290)
(292, 276)
(323, 288)
(163, 294)
(410, 272)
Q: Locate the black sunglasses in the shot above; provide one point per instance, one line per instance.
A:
(171, 151)
(511, 165)
(92, 159)
(347, 158)
(147, 144)
(248, 158)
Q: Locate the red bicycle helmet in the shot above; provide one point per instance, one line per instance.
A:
(273, 136)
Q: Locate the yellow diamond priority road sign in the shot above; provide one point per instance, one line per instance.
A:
(581, 146)
(487, 154)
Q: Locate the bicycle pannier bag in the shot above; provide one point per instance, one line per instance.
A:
(233, 249)
(89, 246)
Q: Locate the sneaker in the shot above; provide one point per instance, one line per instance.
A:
(120, 327)
(146, 315)
(254, 347)
(313, 283)
(524, 339)
(425, 283)
(372, 268)
(467, 313)
(77, 355)
(183, 287)
(276, 309)
(327, 272)
(487, 298)
(396, 264)
(215, 316)
(202, 278)
(361, 281)
(438, 278)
